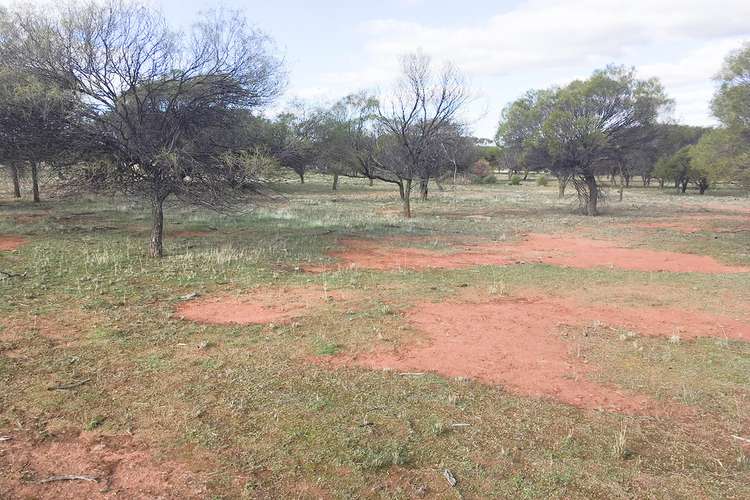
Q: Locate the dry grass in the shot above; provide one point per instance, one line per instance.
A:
(246, 400)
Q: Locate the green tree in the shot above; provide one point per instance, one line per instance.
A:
(731, 105)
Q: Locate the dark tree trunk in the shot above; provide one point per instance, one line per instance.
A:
(562, 183)
(593, 195)
(407, 199)
(156, 246)
(401, 190)
(335, 181)
(16, 182)
(371, 182)
(35, 181)
(683, 185)
(526, 174)
(661, 183)
(627, 180)
(424, 185)
(702, 186)
(301, 177)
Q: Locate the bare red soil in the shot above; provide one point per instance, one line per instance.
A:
(563, 251)
(519, 344)
(123, 469)
(268, 305)
(10, 243)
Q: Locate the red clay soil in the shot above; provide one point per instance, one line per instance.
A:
(518, 344)
(123, 470)
(10, 243)
(267, 305)
(562, 251)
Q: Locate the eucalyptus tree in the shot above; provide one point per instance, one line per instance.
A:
(156, 98)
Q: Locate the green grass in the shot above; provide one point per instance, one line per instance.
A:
(247, 399)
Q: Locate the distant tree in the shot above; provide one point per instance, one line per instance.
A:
(14, 179)
(157, 100)
(293, 141)
(731, 105)
(676, 168)
(423, 105)
(40, 123)
(718, 156)
(593, 122)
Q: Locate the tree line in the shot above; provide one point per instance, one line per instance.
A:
(616, 125)
(107, 97)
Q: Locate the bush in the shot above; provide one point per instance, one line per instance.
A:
(487, 179)
(515, 180)
(541, 180)
(481, 168)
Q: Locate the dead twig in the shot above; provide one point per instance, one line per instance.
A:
(450, 477)
(72, 385)
(739, 438)
(12, 275)
(5, 438)
(69, 478)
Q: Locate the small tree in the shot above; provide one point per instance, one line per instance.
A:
(157, 99)
(40, 123)
(422, 107)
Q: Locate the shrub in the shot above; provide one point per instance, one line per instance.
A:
(487, 179)
(515, 180)
(481, 168)
(541, 180)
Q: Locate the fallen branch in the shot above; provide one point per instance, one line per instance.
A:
(69, 478)
(413, 374)
(71, 385)
(5, 438)
(741, 439)
(12, 275)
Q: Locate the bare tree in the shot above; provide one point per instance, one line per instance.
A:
(421, 107)
(157, 99)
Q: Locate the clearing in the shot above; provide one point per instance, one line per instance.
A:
(324, 347)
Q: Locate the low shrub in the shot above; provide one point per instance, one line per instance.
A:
(541, 180)
(515, 180)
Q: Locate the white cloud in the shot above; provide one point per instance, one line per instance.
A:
(552, 41)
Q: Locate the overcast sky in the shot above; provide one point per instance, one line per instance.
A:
(504, 47)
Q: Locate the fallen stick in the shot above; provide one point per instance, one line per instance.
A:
(5, 438)
(69, 478)
(71, 385)
(741, 439)
(414, 374)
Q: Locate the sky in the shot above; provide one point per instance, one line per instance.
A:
(503, 47)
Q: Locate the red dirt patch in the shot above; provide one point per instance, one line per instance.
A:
(585, 253)
(124, 470)
(384, 255)
(10, 243)
(581, 253)
(258, 306)
(517, 343)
